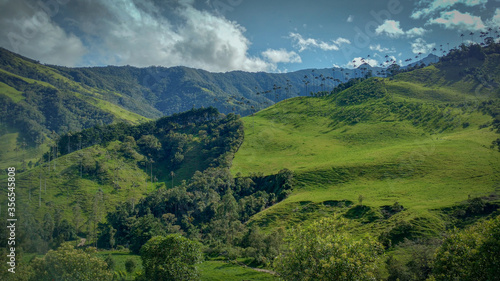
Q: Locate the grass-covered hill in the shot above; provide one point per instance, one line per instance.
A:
(426, 140)
(402, 159)
(99, 168)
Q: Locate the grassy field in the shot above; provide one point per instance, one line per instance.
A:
(210, 270)
(426, 163)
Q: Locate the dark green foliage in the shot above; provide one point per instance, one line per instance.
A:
(420, 263)
(398, 233)
(67, 263)
(388, 211)
(367, 214)
(171, 257)
(110, 262)
(212, 206)
(143, 229)
(263, 248)
(370, 89)
(130, 265)
(324, 251)
(46, 109)
(107, 236)
(470, 254)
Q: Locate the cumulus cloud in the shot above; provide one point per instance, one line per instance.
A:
(30, 30)
(495, 20)
(391, 28)
(419, 45)
(139, 33)
(305, 43)
(381, 49)
(281, 55)
(415, 32)
(458, 20)
(439, 5)
(356, 62)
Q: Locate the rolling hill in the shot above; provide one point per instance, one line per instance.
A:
(424, 139)
(403, 158)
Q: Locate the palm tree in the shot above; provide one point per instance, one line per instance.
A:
(305, 82)
(472, 36)
(462, 36)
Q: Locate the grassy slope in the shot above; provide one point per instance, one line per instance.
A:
(385, 158)
(87, 94)
(63, 188)
(91, 95)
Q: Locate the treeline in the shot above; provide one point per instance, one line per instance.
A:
(166, 139)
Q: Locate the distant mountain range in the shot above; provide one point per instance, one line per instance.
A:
(47, 98)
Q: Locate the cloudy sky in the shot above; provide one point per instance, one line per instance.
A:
(250, 35)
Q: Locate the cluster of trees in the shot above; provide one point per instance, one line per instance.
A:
(320, 250)
(212, 207)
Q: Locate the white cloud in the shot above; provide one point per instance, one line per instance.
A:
(303, 44)
(350, 18)
(415, 32)
(419, 45)
(438, 5)
(495, 20)
(381, 49)
(458, 20)
(281, 55)
(33, 33)
(356, 62)
(139, 33)
(390, 28)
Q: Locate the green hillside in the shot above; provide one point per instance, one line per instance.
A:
(418, 138)
(389, 169)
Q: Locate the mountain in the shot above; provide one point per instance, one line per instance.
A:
(428, 60)
(40, 102)
(403, 160)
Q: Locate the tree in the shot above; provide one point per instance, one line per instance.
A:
(325, 251)
(68, 263)
(470, 254)
(130, 265)
(171, 257)
(143, 229)
(110, 262)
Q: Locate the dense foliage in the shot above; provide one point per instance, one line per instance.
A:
(212, 206)
(171, 257)
(470, 254)
(324, 251)
(69, 264)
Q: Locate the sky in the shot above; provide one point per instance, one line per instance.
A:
(248, 35)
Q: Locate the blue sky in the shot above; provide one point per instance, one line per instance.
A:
(226, 35)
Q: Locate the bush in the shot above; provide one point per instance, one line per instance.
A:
(130, 265)
(171, 257)
(470, 254)
(324, 251)
(68, 263)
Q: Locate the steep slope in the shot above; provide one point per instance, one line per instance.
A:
(104, 166)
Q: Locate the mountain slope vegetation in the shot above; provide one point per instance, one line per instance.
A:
(398, 162)
(422, 142)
